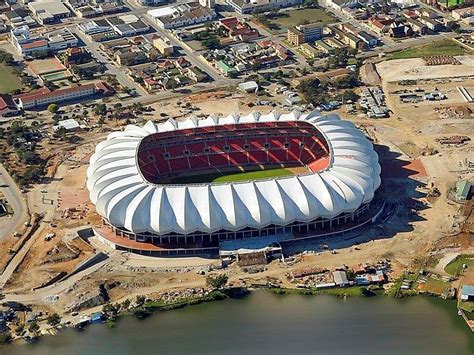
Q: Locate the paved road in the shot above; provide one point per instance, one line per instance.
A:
(42, 294)
(118, 71)
(16, 201)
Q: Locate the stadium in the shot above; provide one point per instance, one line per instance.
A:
(185, 187)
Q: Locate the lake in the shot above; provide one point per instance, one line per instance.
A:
(276, 324)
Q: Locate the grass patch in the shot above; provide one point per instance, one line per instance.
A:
(232, 176)
(435, 286)
(468, 307)
(8, 80)
(455, 267)
(253, 175)
(451, 2)
(296, 17)
(445, 47)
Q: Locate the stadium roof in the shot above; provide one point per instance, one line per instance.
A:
(127, 200)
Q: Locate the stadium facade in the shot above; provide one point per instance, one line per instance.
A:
(133, 174)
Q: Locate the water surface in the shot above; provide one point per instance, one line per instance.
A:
(265, 323)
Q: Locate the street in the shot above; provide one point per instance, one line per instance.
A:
(16, 201)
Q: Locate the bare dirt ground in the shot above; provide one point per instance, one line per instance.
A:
(412, 160)
(415, 68)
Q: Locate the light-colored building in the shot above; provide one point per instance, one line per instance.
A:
(164, 46)
(305, 33)
(308, 51)
(49, 10)
(182, 15)
(208, 3)
(463, 190)
(53, 40)
(250, 6)
(459, 14)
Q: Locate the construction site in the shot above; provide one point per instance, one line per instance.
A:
(424, 148)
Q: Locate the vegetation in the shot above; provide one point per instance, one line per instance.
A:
(232, 176)
(445, 47)
(33, 327)
(282, 20)
(5, 337)
(9, 81)
(217, 282)
(53, 108)
(53, 319)
(455, 266)
(353, 291)
(148, 308)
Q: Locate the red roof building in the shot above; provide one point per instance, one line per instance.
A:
(44, 96)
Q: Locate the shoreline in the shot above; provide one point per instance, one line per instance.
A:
(153, 307)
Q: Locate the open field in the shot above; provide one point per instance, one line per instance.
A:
(446, 47)
(298, 16)
(8, 81)
(233, 176)
(415, 69)
(455, 266)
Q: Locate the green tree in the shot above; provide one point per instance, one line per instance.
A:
(110, 309)
(140, 300)
(217, 282)
(33, 327)
(100, 109)
(125, 304)
(53, 108)
(19, 329)
(5, 337)
(54, 319)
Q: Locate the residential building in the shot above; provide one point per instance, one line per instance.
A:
(294, 36)
(340, 4)
(208, 3)
(432, 24)
(369, 40)
(164, 46)
(238, 30)
(44, 97)
(308, 51)
(250, 6)
(459, 14)
(7, 106)
(305, 33)
(196, 74)
(323, 47)
(380, 26)
(399, 30)
(130, 56)
(417, 26)
(76, 56)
